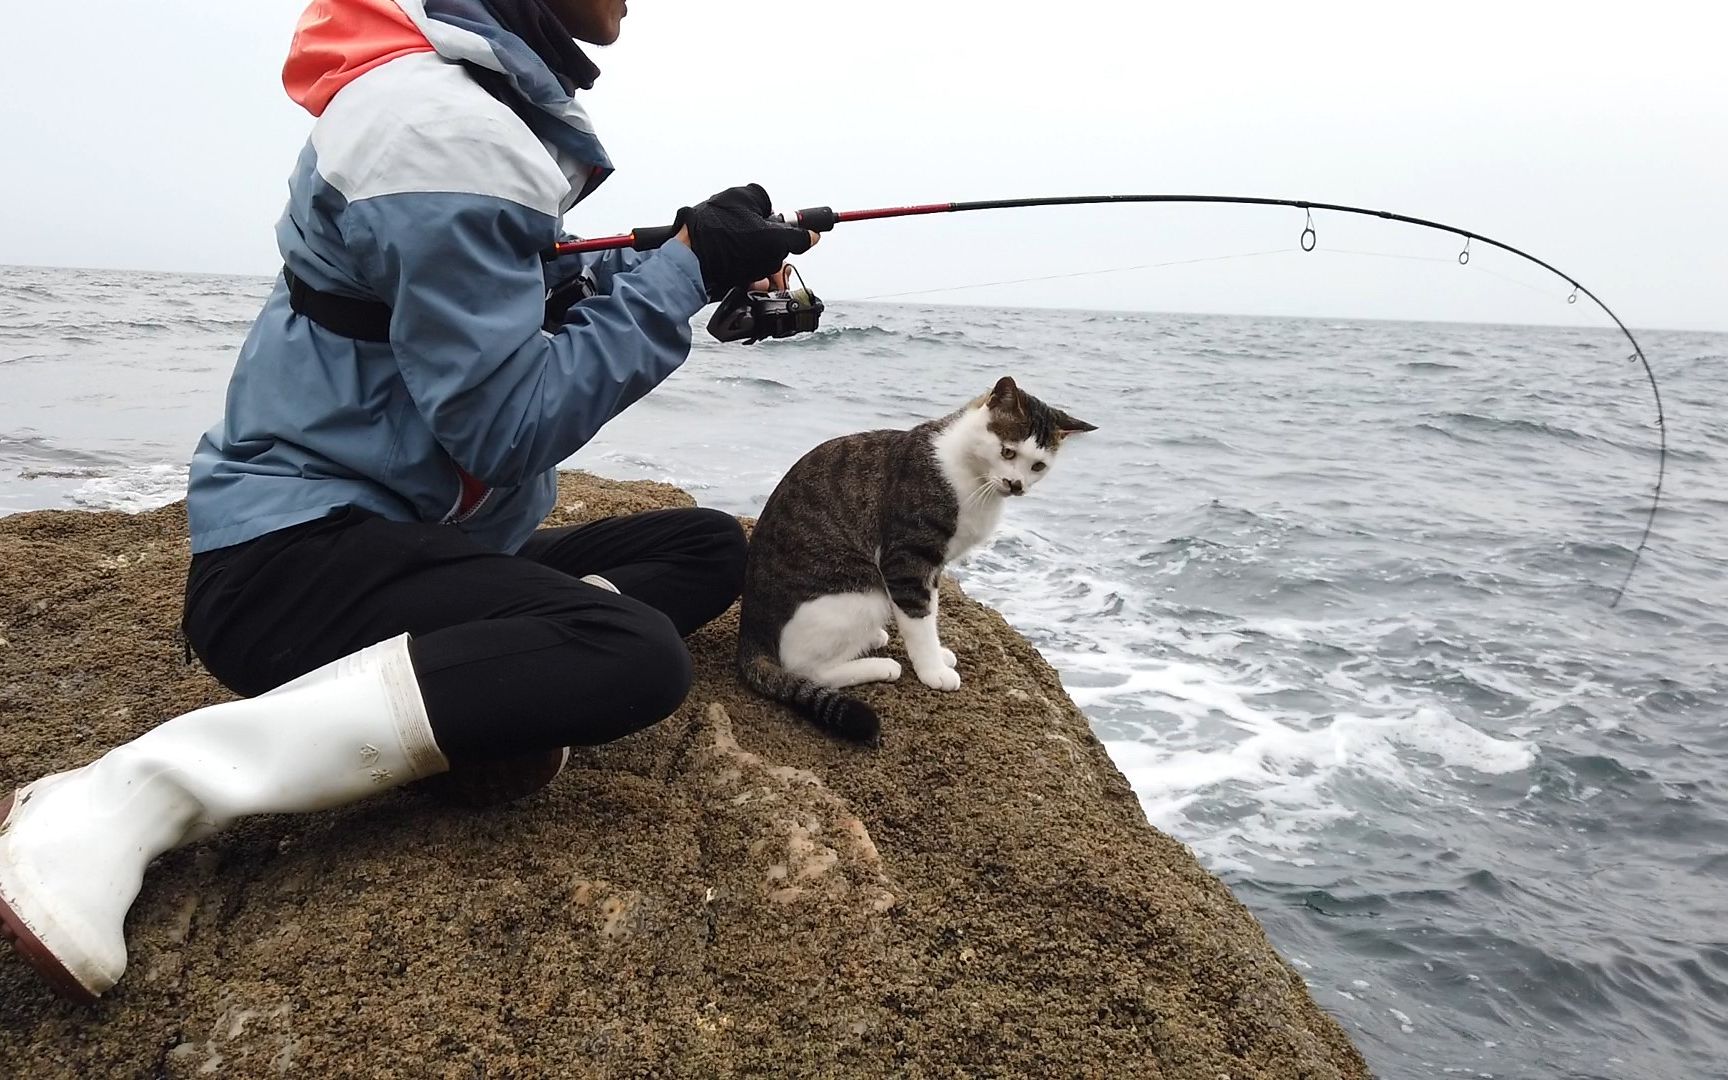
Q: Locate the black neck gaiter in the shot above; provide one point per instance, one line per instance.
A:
(540, 30)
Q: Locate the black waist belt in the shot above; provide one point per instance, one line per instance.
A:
(362, 320)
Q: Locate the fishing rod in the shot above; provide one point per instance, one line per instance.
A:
(749, 315)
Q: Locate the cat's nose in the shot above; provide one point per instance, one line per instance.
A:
(1015, 487)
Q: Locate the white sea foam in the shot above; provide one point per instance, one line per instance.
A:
(1199, 726)
(143, 487)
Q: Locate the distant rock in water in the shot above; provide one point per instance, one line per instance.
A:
(729, 893)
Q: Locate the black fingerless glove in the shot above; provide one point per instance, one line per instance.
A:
(734, 240)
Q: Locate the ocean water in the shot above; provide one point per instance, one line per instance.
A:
(1335, 594)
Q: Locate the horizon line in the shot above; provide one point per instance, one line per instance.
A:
(1011, 307)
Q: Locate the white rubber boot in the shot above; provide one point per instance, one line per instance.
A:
(74, 846)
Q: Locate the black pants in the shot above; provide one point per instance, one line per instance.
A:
(513, 653)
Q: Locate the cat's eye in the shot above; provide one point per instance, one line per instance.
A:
(1038, 466)
(1008, 453)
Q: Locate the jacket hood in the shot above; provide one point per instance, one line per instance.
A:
(337, 41)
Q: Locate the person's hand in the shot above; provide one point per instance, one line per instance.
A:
(734, 241)
(774, 282)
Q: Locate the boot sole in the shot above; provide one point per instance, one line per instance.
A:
(30, 947)
(483, 785)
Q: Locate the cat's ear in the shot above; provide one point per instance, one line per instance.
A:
(1066, 425)
(1005, 394)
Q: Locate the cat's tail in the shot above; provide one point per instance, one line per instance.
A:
(831, 710)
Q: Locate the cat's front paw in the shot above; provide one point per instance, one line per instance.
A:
(939, 677)
(882, 639)
(948, 657)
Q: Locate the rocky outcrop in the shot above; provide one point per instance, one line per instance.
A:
(727, 894)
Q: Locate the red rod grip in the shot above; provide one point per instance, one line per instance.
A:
(602, 243)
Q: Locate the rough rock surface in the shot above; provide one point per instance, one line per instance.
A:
(727, 894)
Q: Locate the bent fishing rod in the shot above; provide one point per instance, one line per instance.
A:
(754, 315)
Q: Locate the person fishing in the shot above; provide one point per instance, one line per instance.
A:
(366, 569)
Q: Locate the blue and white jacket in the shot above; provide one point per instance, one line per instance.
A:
(422, 189)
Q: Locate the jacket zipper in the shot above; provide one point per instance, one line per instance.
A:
(469, 500)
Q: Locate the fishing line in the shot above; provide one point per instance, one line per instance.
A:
(1189, 262)
(786, 316)
(1476, 268)
(1075, 274)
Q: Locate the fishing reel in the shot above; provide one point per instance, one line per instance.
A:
(749, 315)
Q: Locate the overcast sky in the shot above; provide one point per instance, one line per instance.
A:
(1595, 136)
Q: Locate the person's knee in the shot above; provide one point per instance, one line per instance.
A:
(725, 549)
(663, 663)
(727, 541)
(657, 672)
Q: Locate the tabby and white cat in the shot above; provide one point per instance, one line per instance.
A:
(857, 533)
